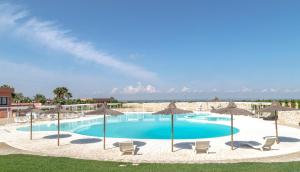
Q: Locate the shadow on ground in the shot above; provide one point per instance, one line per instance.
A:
(241, 144)
(184, 145)
(54, 136)
(288, 139)
(85, 141)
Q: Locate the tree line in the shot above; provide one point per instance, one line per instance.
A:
(62, 95)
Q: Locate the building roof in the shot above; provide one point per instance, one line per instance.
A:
(6, 91)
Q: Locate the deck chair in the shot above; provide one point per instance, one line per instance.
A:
(127, 147)
(201, 146)
(268, 143)
(21, 120)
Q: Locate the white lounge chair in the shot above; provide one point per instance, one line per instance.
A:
(268, 143)
(127, 147)
(201, 146)
(21, 120)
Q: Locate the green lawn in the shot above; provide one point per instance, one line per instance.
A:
(37, 163)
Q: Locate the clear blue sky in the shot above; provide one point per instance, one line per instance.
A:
(138, 49)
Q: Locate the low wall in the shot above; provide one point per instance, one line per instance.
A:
(193, 106)
(289, 117)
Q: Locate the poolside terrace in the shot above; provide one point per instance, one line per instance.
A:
(87, 147)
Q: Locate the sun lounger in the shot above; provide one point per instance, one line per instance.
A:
(268, 143)
(127, 147)
(21, 120)
(201, 146)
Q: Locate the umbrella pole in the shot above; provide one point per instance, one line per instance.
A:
(231, 132)
(58, 128)
(31, 125)
(276, 127)
(104, 130)
(172, 132)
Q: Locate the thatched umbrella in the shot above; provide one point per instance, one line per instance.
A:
(232, 110)
(103, 110)
(31, 110)
(57, 110)
(172, 110)
(274, 108)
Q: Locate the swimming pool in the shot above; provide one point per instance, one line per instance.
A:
(206, 117)
(144, 126)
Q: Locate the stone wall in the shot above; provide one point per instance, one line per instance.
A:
(289, 118)
(193, 106)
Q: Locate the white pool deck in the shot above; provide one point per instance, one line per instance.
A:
(159, 151)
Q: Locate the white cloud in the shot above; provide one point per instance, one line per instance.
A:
(291, 90)
(246, 90)
(51, 36)
(214, 90)
(198, 91)
(231, 91)
(139, 88)
(264, 90)
(10, 14)
(185, 89)
(273, 90)
(114, 90)
(270, 90)
(171, 90)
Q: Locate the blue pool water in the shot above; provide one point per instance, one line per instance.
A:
(145, 126)
(208, 118)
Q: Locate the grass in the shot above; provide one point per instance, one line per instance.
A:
(32, 163)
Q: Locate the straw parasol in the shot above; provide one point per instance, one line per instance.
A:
(274, 108)
(232, 110)
(172, 110)
(31, 110)
(57, 110)
(103, 110)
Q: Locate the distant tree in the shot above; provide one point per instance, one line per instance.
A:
(61, 94)
(293, 104)
(5, 86)
(215, 99)
(26, 100)
(68, 95)
(113, 100)
(90, 101)
(281, 102)
(286, 103)
(39, 98)
(78, 101)
(18, 97)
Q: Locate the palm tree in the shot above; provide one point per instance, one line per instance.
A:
(61, 93)
(39, 98)
(26, 100)
(18, 97)
(68, 95)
